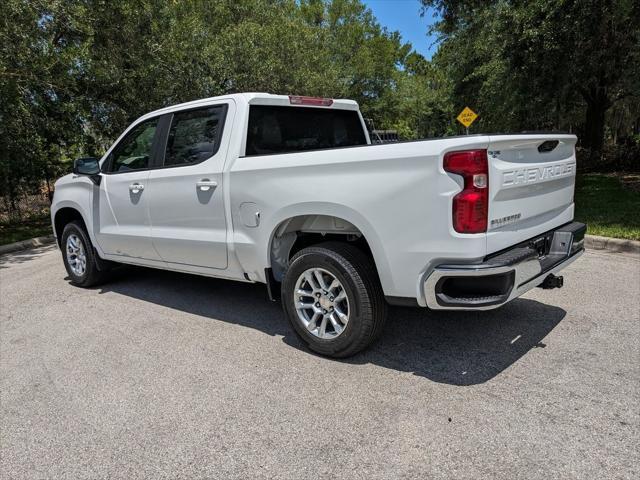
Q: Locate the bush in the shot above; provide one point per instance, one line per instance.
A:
(614, 158)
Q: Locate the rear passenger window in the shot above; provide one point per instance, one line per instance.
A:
(275, 129)
(194, 135)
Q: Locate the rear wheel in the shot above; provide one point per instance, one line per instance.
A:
(84, 267)
(333, 299)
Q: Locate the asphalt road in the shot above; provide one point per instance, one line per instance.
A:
(162, 375)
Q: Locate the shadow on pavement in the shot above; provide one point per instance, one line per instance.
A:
(457, 348)
(23, 256)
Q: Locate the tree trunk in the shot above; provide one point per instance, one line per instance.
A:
(14, 211)
(597, 106)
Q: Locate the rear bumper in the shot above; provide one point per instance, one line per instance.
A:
(506, 275)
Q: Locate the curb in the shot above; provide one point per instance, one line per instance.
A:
(615, 245)
(27, 244)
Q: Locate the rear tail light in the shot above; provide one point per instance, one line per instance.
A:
(315, 101)
(471, 205)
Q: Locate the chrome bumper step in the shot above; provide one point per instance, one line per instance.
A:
(505, 275)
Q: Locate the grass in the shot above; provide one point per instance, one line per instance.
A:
(608, 207)
(24, 230)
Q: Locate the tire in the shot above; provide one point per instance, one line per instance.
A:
(363, 299)
(74, 250)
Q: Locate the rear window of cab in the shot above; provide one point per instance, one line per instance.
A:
(281, 129)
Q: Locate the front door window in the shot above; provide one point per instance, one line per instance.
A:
(134, 151)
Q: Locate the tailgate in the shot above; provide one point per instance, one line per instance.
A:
(531, 182)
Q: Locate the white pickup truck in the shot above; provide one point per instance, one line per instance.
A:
(290, 192)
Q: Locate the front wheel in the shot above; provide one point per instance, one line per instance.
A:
(333, 299)
(80, 259)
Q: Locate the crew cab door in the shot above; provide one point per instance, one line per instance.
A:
(123, 221)
(186, 204)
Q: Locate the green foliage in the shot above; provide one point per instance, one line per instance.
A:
(544, 64)
(75, 73)
(39, 120)
(608, 208)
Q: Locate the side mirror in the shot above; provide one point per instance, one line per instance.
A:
(89, 167)
(86, 166)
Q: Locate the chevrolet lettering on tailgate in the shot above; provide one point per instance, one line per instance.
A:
(537, 174)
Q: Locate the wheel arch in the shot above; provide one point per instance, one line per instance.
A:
(66, 213)
(327, 221)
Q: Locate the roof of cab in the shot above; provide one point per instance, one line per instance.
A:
(253, 98)
(260, 98)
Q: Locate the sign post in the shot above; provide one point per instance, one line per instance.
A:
(467, 117)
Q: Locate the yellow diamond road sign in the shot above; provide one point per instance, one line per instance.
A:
(467, 117)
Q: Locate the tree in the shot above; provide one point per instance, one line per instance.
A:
(75, 73)
(540, 63)
(40, 48)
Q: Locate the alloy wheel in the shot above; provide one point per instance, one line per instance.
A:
(321, 303)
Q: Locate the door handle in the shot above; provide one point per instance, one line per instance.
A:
(205, 184)
(136, 187)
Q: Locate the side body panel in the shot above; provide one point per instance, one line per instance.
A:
(397, 195)
(76, 192)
